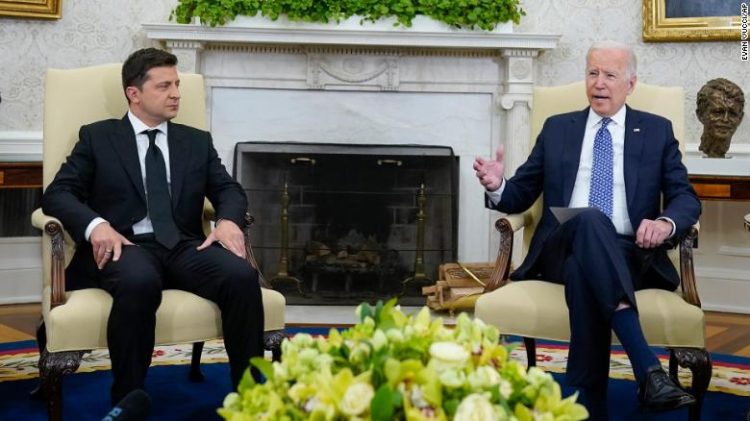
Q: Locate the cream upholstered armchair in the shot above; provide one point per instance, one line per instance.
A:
(537, 309)
(76, 322)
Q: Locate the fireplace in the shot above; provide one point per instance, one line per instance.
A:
(342, 224)
(469, 91)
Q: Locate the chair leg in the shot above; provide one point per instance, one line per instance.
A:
(52, 367)
(530, 344)
(41, 343)
(699, 363)
(195, 374)
(272, 341)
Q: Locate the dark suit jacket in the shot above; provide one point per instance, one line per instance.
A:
(653, 172)
(102, 178)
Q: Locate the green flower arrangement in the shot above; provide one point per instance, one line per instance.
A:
(468, 14)
(391, 366)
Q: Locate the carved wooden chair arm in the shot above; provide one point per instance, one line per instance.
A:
(515, 221)
(249, 221)
(53, 229)
(506, 225)
(687, 270)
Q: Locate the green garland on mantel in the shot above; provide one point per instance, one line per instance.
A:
(469, 14)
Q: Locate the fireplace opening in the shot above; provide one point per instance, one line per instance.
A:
(342, 224)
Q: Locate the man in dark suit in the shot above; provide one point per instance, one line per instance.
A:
(620, 164)
(131, 195)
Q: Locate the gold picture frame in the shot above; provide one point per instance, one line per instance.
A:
(34, 9)
(659, 26)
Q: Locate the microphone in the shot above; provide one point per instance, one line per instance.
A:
(135, 406)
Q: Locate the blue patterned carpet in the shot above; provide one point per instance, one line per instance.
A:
(86, 393)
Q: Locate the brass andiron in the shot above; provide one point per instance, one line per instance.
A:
(283, 274)
(419, 274)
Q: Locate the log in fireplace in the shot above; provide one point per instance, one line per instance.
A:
(342, 224)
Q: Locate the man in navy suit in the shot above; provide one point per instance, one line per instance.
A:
(624, 166)
(131, 195)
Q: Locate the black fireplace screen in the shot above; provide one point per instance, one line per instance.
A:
(341, 224)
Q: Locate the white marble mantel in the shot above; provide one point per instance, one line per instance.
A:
(465, 89)
(312, 35)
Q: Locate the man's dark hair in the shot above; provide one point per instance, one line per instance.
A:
(135, 68)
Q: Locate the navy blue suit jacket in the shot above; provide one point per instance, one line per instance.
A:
(102, 178)
(656, 181)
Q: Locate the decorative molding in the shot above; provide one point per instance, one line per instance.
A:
(350, 50)
(20, 146)
(518, 86)
(325, 70)
(188, 54)
(185, 45)
(171, 32)
(519, 77)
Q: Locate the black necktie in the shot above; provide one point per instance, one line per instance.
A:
(157, 193)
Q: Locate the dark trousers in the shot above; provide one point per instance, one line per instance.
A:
(135, 283)
(599, 269)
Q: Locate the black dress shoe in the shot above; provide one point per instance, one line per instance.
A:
(659, 393)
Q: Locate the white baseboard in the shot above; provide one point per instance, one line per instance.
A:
(723, 290)
(20, 286)
(31, 299)
(20, 270)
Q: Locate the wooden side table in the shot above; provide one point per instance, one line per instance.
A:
(20, 175)
(20, 194)
(721, 187)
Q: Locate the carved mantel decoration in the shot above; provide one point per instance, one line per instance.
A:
(277, 76)
(328, 68)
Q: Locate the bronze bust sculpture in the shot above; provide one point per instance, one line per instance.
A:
(720, 107)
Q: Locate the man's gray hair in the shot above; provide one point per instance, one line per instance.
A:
(632, 66)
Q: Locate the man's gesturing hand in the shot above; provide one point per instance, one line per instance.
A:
(106, 244)
(490, 172)
(229, 235)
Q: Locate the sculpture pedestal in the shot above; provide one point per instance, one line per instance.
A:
(732, 165)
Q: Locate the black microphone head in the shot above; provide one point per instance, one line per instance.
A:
(135, 406)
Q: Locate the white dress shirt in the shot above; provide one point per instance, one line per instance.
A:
(141, 139)
(582, 187)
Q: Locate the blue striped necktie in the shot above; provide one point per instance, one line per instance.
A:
(601, 195)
